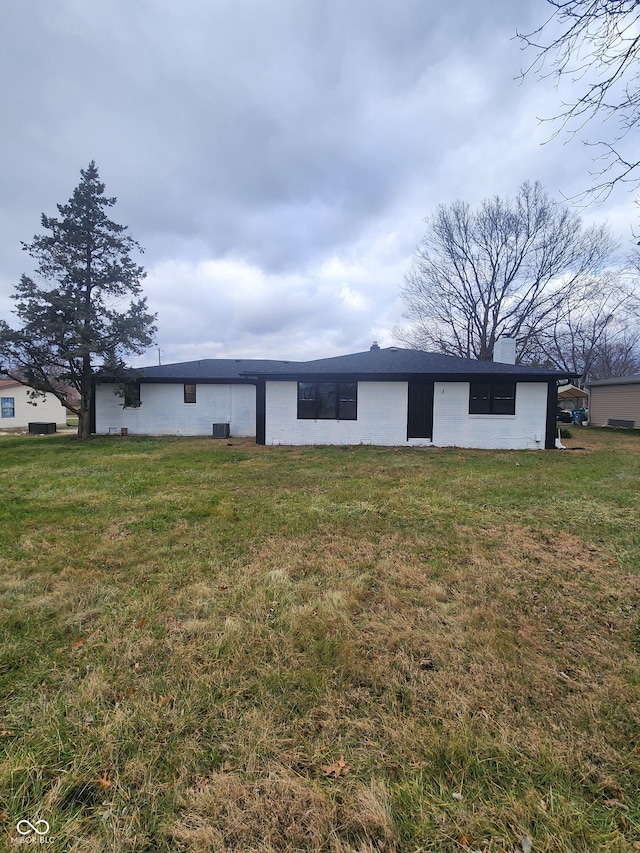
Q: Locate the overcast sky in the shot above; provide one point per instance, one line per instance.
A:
(276, 158)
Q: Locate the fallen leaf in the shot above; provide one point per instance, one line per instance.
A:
(636, 845)
(79, 641)
(612, 803)
(104, 781)
(4, 815)
(544, 805)
(336, 769)
(6, 732)
(141, 623)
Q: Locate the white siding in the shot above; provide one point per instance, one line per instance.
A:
(453, 426)
(162, 410)
(49, 410)
(382, 418)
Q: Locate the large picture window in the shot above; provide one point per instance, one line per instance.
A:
(336, 401)
(8, 407)
(492, 398)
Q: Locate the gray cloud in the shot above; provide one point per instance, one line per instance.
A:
(275, 159)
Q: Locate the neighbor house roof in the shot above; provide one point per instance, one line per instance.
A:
(8, 383)
(620, 380)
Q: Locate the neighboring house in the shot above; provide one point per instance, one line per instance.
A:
(388, 396)
(615, 400)
(17, 411)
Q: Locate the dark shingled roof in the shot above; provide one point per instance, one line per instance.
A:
(392, 361)
(212, 369)
(379, 363)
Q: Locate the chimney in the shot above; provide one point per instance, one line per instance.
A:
(504, 350)
(374, 345)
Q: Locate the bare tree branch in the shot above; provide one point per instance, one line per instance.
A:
(594, 45)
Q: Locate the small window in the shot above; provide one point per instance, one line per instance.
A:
(328, 401)
(189, 393)
(132, 395)
(8, 407)
(492, 398)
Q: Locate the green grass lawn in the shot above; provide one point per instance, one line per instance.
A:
(222, 647)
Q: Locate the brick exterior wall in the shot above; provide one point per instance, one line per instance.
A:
(453, 426)
(382, 415)
(162, 410)
(382, 418)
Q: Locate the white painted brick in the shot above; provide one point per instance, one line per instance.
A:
(382, 417)
(162, 410)
(453, 426)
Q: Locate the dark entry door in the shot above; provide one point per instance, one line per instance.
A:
(420, 415)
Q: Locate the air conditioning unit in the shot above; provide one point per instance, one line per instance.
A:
(36, 428)
(221, 430)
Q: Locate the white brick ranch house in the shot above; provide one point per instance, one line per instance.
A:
(389, 396)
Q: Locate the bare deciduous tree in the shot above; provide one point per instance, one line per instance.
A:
(512, 267)
(596, 335)
(595, 46)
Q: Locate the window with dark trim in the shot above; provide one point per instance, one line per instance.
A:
(492, 398)
(189, 393)
(336, 401)
(131, 394)
(8, 407)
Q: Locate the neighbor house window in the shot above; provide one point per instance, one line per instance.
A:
(189, 393)
(131, 395)
(8, 407)
(328, 401)
(492, 398)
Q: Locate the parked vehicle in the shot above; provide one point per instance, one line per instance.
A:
(563, 417)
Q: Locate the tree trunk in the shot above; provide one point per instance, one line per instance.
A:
(84, 423)
(86, 392)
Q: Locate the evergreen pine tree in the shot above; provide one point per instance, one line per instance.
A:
(82, 310)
